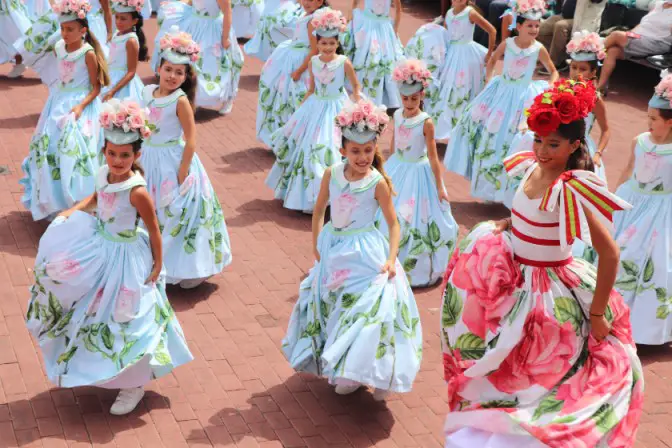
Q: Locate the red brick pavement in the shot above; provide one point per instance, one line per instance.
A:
(240, 390)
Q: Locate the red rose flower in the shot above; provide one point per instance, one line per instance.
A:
(543, 121)
(567, 106)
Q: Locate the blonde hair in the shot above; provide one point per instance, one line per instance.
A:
(103, 74)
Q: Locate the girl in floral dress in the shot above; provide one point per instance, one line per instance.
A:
(428, 230)
(461, 74)
(356, 322)
(98, 305)
(246, 14)
(209, 22)
(14, 22)
(482, 137)
(538, 350)
(275, 26)
(310, 141)
(63, 159)
(195, 238)
(285, 77)
(127, 48)
(645, 232)
(373, 46)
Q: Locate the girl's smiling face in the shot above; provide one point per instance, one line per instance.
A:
(553, 151)
(124, 21)
(583, 69)
(172, 76)
(412, 102)
(72, 32)
(360, 155)
(529, 29)
(120, 158)
(327, 45)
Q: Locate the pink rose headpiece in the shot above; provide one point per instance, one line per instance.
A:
(70, 10)
(178, 47)
(528, 9)
(362, 122)
(662, 99)
(123, 122)
(127, 5)
(412, 76)
(586, 46)
(328, 22)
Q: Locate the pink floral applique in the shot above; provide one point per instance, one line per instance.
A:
(403, 138)
(106, 205)
(343, 207)
(647, 171)
(407, 210)
(324, 75)
(154, 114)
(518, 67)
(337, 279)
(66, 71)
(379, 7)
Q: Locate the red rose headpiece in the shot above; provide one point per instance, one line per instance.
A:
(565, 102)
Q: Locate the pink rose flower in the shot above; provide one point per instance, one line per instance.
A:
(325, 76)
(568, 277)
(623, 435)
(541, 357)
(167, 192)
(407, 210)
(541, 282)
(154, 114)
(66, 70)
(495, 122)
(62, 269)
(137, 122)
(626, 235)
(119, 119)
(489, 275)
(93, 308)
(105, 120)
(518, 67)
(360, 37)
(342, 208)
(374, 48)
(403, 138)
(647, 170)
(561, 435)
(453, 373)
(357, 116)
(106, 205)
(337, 279)
(126, 304)
(460, 79)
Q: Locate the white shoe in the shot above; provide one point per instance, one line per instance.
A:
(380, 394)
(346, 389)
(191, 283)
(127, 400)
(226, 110)
(17, 71)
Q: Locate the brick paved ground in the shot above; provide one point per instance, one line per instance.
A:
(240, 390)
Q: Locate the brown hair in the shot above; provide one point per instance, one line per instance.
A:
(103, 75)
(189, 84)
(143, 52)
(666, 114)
(135, 167)
(579, 159)
(378, 163)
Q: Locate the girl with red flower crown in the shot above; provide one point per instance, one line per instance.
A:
(537, 345)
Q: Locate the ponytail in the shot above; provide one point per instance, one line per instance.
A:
(579, 159)
(143, 53)
(136, 167)
(103, 75)
(378, 163)
(189, 86)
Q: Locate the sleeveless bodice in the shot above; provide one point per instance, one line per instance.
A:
(72, 71)
(460, 29)
(378, 7)
(409, 136)
(519, 63)
(353, 204)
(301, 31)
(329, 76)
(118, 59)
(206, 7)
(117, 218)
(653, 166)
(163, 121)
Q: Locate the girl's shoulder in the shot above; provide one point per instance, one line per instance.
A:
(123, 38)
(412, 122)
(103, 185)
(62, 52)
(148, 96)
(366, 183)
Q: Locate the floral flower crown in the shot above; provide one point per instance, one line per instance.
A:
(662, 99)
(328, 22)
(528, 9)
(69, 10)
(586, 46)
(362, 121)
(128, 5)
(178, 47)
(565, 102)
(124, 121)
(412, 76)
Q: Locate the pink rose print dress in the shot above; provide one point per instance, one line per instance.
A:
(96, 321)
(62, 162)
(310, 141)
(195, 238)
(374, 49)
(521, 364)
(218, 69)
(482, 137)
(246, 14)
(275, 26)
(14, 22)
(118, 68)
(428, 230)
(645, 237)
(279, 95)
(351, 323)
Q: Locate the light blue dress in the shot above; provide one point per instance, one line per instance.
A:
(96, 320)
(275, 26)
(592, 147)
(246, 14)
(483, 135)
(37, 8)
(374, 49)
(97, 25)
(118, 67)
(279, 94)
(428, 230)
(310, 141)
(351, 322)
(195, 239)
(644, 235)
(14, 22)
(63, 155)
(218, 69)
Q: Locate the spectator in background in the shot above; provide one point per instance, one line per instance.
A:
(588, 16)
(652, 36)
(555, 32)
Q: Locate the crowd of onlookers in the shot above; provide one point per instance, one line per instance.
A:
(634, 29)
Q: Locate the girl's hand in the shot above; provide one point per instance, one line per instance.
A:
(77, 111)
(109, 36)
(317, 254)
(488, 56)
(296, 75)
(108, 96)
(501, 226)
(443, 196)
(226, 42)
(390, 267)
(154, 275)
(597, 159)
(356, 98)
(182, 175)
(66, 214)
(599, 327)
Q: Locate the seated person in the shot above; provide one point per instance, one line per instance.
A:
(652, 36)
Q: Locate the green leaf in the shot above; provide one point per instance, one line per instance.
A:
(67, 356)
(434, 232)
(56, 174)
(107, 337)
(28, 45)
(500, 404)
(470, 346)
(565, 419)
(157, 314)
(662, 312)
(190, 242)
(203, 210)
(176, 230)
(127, 233)
(376, 307)
(55, 307)
(405, 315)
(218, 256)
(418, 248)
(404, 239)
(65, 320)
(161, 355)
(648, 270)
(548, 405)
(127, 349)
(630, 268)
(626, 283)
(566, 309)
(409, 264)
(382, 349)
(516, 308)
(452, 306)
(464, 244)
(348, 300)
(661, 294)
(605, 418)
